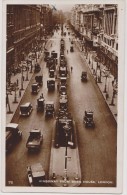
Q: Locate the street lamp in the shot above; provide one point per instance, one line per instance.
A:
(8, 103)
(106, 76)
(15, 97)
(27, 71)
(22, 78)
(66, 129)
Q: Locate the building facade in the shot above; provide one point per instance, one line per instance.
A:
(26, 25)
(98, 28)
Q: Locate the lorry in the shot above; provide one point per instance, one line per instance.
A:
(35, 139)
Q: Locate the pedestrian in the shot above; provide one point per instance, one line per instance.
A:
(57, 86)
(19, 92)
(71, 68)
(107, 96)
(112, 82)
(17, 82)
(41, 96)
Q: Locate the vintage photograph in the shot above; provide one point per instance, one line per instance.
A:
(62, 95)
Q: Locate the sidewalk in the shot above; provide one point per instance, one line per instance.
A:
(18, 95)
(103, 78)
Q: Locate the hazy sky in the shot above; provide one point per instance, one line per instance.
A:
(63, 7)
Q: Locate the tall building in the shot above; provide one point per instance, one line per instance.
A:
(26, 24)
(97, 26)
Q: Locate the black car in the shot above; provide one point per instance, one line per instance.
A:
(88, 119)
(84, 76)
(13, 134)
(49, 109)
(37, 68)
(51, 84)
(35, 88)
(26, 109)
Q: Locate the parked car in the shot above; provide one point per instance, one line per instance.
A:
(84, 76)
(49, 108)
(35, 139)
(26, 109)
(35, 88)
(13, 135)
(88, 119)
(36, 175)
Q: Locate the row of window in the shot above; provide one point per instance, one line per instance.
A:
(111, 43)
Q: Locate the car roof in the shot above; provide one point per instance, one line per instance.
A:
(12, 125)
(51, 79)
(63, 100)
(35, 130)
(37, 170)
(63, 78)
(49, 102)
(26, 104)
(34, 84)
(41, 99)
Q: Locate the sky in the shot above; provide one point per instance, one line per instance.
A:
(63, 7)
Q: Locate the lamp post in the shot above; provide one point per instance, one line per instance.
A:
(8, 103)
(15, 96)
(106, 76)
(22, 79)
(66, 129)
(27, 79)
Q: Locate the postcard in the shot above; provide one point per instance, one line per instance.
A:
(63, 96)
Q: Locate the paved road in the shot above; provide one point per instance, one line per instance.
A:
(97, 147)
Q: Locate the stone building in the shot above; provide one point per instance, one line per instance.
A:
(97, 27)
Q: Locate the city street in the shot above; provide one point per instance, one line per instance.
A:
(97, 146)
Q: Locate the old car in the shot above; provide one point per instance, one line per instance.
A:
(63, 90)
(35, 88)
(63, 71)
(46, 55)
(51, 84)
(63, 103)
(39, 79)
(40, 104)
(84, 76)
(71, 49)
(51, 73)
(36, 175)
(26, 109)
(49, 109)
(63, 81)
(88, 119)
(35, 139)
(37, 68)
(13, 135)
